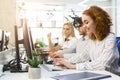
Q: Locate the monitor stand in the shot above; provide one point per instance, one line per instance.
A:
(20, 67)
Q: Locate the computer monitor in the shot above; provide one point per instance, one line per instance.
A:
(2, 40)
(27, 40)
(28, 45)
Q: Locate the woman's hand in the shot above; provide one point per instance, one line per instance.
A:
(62, 62)
(49, 35)
(56, 61)
(56, 55)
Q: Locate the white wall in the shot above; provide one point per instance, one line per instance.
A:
(7, 17)
(118, 17)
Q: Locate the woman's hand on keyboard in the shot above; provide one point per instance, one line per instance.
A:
(56, 61)
(65, 63)
(56, 55)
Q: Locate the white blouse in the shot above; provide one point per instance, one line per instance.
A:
(100, 55)
(79, 48)
(68, 44)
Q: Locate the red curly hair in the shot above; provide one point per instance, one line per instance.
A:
(103, 22)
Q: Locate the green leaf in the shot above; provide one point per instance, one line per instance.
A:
(33, 63)
(35, 53)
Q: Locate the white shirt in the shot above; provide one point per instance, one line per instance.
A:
(79, 48)
(103, 54)
(68, 44)
(81, 44)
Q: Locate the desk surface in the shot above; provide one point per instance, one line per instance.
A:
(45, 75)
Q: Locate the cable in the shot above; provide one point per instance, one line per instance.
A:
(14, 65)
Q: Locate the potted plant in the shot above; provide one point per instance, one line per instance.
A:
(34, 71)
(40, 44)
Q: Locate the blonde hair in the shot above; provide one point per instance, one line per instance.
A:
(72, 34)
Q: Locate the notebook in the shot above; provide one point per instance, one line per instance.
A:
(81, 76)
(51, 67)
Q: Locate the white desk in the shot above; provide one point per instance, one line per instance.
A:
(45, 75)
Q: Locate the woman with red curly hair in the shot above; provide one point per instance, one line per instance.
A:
(101, 52)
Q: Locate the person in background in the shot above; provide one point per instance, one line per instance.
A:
(68, 41)
(80, 46)
(101, 52)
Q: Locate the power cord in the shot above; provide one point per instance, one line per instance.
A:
(13, 65)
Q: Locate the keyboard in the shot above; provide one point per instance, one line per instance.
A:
(51, 67)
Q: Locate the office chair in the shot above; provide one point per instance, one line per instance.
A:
(118, 45)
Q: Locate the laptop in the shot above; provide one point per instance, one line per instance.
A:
(81, 76)
(51, 67)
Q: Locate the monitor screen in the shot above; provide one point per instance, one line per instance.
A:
(27, 43)
(27, 40)
(4, 39)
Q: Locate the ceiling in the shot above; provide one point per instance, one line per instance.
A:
(62, 2)
(67, 2)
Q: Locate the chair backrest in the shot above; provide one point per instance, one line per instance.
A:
(118, 45)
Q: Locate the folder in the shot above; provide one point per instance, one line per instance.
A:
(82, 76)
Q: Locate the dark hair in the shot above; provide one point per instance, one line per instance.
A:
(77, 22)
(102, 20)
